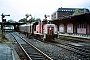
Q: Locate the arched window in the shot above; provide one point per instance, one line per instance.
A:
(81, 25)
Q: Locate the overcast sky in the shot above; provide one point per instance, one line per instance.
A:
(37, 8)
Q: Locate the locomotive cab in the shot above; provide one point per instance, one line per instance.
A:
(50, 30)
(46, 30)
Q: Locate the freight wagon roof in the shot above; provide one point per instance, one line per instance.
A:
(28, 24)
(23, 25)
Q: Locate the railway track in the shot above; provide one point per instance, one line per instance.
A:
(30, 52)
(81, 52)
(78, 52)
(74, 49)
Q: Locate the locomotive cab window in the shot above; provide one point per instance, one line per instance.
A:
(50, 22)
(44, 22)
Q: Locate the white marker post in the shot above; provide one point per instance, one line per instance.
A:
(58, 35)
(44, 36)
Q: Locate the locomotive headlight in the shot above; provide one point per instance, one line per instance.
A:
(44, 32)
(50, 28)
(58, 32)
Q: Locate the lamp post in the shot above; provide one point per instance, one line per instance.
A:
(27, 15)
(46, 16)
(30, 24)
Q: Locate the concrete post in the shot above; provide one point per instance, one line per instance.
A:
(58, 35)
(65, 28)
(44, 37)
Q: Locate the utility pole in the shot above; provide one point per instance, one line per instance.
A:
(27, 15)
(3, 24)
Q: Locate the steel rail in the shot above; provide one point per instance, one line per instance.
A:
(28, 57)
(49, 58)
(67, 48)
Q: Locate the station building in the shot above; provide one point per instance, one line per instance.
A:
(62, 12)
(78, 25)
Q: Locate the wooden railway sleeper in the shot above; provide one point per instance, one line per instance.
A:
(78, 52)
(36, 48)
(83, 50)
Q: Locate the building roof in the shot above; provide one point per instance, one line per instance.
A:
(69, 9)
(82, 17)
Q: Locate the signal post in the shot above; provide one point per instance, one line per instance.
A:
(3, 24)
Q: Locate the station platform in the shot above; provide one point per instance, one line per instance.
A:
(7, 53)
